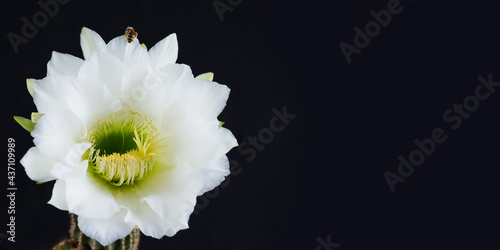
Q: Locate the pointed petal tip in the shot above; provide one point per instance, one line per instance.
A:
(209, 76)
(165, 51)
(90, 42)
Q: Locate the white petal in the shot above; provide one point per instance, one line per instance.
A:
(175, 74)
(213, 95)
(165, 51)
(227, 137)
(106, 68)
(195, 136)
(58, 198)
(213, 173)
(133, 91)
(172, 195)
(173, 77)
(50, 92)
(131, 54)
(91, 100)
(148, 97)
(55, 133)
(189, 130)
(89, 197)
(38, 165)
(214, 164)
(72, 166)
(140, 214)
(106, 230)
(91, 42)
(150, 93)
(63, 64)
(137, 63)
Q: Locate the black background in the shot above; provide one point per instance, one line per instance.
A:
(322, 176)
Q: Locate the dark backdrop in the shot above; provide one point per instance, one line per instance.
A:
(320, 179)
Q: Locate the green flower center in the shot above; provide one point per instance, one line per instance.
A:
(124, 148)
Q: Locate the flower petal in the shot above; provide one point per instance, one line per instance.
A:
(49, 93)
(214, 164)
(91, 42)
(155, 89)
(189, 130)
(106, 230)
(227, 138)
(88, 197)
(56, 132)
(165, 51)
(71, 166)
(197, 138)
(104, 67)
(85, 194)
(211, 94)
(63, 64)
(137, 64)
(173, 77)
(133, 55)
(140, 214)
(146, 98)
(214, 172)
(91, 100)
(58, 198)
(37, 165)
(172, 195)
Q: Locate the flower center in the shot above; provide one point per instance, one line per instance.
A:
(124, 147)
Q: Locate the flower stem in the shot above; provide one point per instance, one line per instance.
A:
(78, 240)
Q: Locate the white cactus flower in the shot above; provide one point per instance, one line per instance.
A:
(130, 136)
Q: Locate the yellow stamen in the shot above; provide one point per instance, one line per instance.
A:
(130, 131)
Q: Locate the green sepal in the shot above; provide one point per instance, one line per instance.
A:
(144, 46)
(25, 123)
(29, 85)
(35, 116)
(221, 123)
(206, 76)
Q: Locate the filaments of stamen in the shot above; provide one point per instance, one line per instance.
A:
(120, 169)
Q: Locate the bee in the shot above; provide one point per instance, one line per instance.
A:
(130, 34)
